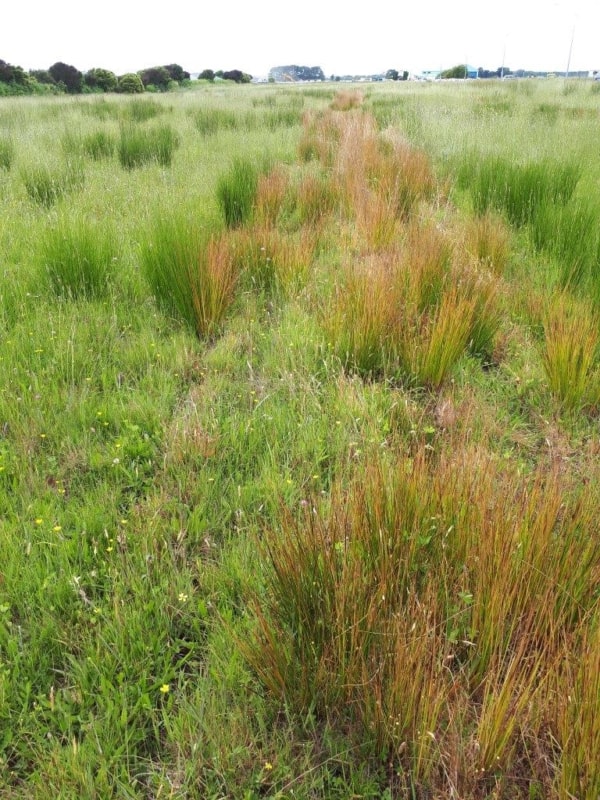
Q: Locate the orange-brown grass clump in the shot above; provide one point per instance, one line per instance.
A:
(213, 286)
(271, 192)
(432, 612)
(316, 197)
(273, 261)
(364, 318)
(487, 241)
(346, 100)
(571, 339)
(320, 137)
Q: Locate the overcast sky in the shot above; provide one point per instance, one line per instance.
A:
(254, 35)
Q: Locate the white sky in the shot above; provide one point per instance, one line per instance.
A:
(254, 35)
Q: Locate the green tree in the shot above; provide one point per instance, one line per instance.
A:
(206, 75)
(42, 76)
(103, 79)
(459, 71)
(237, 76)
(69, 76)
(392, 75)
(130, 83)
(155, 76)
(177, 73)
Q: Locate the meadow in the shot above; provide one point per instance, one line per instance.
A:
(299, 451)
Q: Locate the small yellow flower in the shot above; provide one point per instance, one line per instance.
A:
(38, 520)
(183, 598)
(165, 688)
(268, 766)
(57, 528)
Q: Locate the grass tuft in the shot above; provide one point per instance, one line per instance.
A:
(79, 258)
(139, 146)
(236, 192)
(7, 152)
(571, 342)
(47, 184)
(190, 272)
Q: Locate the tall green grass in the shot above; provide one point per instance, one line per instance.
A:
(518, 190)
(139, 146)
(571, 235)
(7, 152)
(189, 271)
(209, 121)
(99, 144)
(236, 192)
(45, 184)
(79, 257)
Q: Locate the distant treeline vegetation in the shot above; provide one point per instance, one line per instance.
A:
(65, 78)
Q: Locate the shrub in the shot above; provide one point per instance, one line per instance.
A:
(78, 257)
(190, 272)
(236, 190)
(130, 83)
(102, 79)
(70, 77)
(139, 146)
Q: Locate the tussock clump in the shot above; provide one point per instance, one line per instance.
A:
(346, 100)
(99, 145)
(408, 613)
(79, 258)
(139, 146)
(272, 261)
(570, 354)
(236, 192)
(271, 193)
(46, 184)
(190, 272)
(487, 242)
(7, 152)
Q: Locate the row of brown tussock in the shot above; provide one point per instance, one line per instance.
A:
(442, 608)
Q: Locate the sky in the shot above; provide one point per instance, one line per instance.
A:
(355, 37)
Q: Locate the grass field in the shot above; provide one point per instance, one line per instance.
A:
(299, 450)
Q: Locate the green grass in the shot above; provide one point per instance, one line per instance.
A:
(46, 184)
(236, 191)
(79, 258)
(7, 153)
(190, 273)
(299, 462)
(138, 145)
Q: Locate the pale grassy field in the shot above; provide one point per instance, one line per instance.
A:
(299, 443)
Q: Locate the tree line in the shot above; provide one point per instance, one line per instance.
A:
(65, 78)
